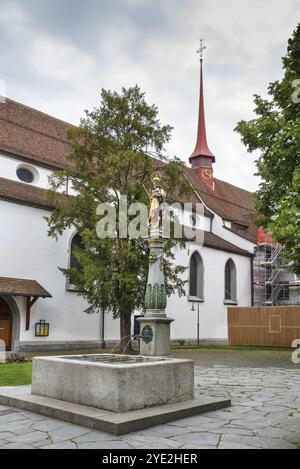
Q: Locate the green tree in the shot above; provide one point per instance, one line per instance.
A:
(115, 151)
(275, 133)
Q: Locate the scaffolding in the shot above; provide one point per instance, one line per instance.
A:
(273, 284)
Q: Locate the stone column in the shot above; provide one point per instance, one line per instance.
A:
(155, 325)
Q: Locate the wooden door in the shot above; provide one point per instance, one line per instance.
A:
(5, 324)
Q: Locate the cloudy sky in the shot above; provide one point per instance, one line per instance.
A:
(56, 55)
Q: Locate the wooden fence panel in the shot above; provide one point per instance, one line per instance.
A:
(275, 326)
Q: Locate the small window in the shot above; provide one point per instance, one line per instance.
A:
(76, 246)
(196, 163)
(25, 175)
(206, 162)
(284, 294)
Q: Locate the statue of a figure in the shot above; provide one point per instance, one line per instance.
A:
(158, 199)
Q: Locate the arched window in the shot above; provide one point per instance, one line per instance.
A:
(76, 245)
(196, 277)
(230, 281)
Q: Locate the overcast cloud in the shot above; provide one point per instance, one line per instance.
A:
(56, 55)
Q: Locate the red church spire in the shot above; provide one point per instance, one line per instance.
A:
(202, 158)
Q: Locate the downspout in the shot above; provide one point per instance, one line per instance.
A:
(252, 279)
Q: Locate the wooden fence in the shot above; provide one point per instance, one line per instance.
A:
(275, 326)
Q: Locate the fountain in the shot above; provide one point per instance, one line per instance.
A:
(120, 393)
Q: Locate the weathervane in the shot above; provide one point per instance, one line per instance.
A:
(201, 50)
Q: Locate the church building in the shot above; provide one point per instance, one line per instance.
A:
(39, 309)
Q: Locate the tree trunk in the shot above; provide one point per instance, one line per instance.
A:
(125, 332)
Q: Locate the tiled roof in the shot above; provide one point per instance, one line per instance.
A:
(230, 202)
(21, 287)
(23, 194)
(215, 242)
(33, 135)
(211, 240)
(36, 136)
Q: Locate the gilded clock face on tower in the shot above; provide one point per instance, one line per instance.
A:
(207, 174)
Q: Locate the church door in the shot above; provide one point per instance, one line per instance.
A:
(5, 324)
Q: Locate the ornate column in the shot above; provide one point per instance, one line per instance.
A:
(155, 325)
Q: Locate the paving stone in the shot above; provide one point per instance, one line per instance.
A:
(204, 438)
(257, 442)
(115, 444)
(29, 438)
(16, 446)
(5, 435)
(92, 437)
(265, 414)
(40, 444)
(169, 442)
(67, 432)
(197, 447)
(47, 425)
(62, 445)
(231, 445)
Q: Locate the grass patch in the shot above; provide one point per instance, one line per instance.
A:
(15, 375)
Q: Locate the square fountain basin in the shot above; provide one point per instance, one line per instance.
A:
(113, 382)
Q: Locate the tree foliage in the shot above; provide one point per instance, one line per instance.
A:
(115, 151)
(275, 133)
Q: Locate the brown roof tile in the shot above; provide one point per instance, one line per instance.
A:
(215, 242)
(228, 201)
(21, 287)
(33, 134)
(23, 194)
(210, 240)
(36, 136)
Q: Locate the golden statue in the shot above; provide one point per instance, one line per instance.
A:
(158, 198)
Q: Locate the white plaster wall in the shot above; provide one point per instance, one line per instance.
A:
(219, 230)
(8, 168)
(213, 312)
(27, 252)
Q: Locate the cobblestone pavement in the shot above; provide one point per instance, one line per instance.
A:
(265, 414)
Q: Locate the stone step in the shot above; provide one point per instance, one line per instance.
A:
(106, 421)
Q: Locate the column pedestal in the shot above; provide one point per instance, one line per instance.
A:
(155, 336)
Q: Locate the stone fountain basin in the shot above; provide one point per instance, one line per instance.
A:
(113, 382)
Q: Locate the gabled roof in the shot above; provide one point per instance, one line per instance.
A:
(22, 193)
(229, 202)
(35, 136)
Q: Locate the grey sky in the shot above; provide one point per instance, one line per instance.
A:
(57, 55)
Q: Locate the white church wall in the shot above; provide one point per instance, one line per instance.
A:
(213, 311)
(28, 253)
(9, 166)
(219, 230)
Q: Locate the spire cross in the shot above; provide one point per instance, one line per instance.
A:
(201, 50)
